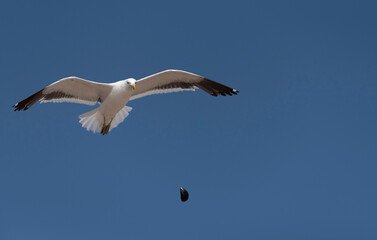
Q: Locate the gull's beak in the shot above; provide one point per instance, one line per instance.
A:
(133, 86)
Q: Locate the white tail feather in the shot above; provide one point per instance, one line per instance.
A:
(93, 120)
(120, 116)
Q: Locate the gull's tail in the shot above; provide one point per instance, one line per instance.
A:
(95, 121)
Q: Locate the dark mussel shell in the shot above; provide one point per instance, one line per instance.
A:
(184, 194)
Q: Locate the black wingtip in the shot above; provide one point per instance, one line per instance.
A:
(229, 93)
(28, 102)
(16, 107)
(215, 88)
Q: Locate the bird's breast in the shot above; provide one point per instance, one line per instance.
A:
(115, 101)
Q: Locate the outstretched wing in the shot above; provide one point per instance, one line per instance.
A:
(70, 89)
(175, 81)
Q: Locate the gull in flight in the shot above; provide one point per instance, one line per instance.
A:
(113, 97)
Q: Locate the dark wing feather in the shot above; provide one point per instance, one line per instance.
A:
(28, 102)
(71, 89)
(176, 80)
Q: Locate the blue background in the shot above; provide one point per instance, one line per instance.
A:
(293, 156)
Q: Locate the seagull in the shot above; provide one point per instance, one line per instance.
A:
(113, 97)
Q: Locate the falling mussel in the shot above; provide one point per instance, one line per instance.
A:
(184, 194)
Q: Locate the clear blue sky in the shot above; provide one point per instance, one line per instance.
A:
(293, 156)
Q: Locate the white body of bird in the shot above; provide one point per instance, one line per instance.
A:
(112, 110)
